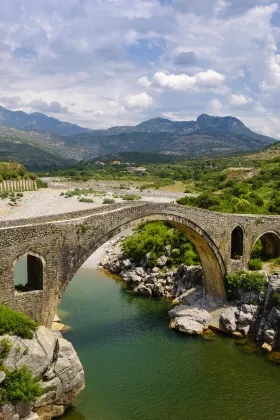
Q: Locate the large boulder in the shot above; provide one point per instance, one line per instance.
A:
(188, 298)
(53, 359)
(189, 320)
(143, 289)
(37, 353)
(228, 319)
(186, 278)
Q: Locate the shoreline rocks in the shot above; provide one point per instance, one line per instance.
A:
(161, 280)
(189, 320)
(253, 313)
(53, 359)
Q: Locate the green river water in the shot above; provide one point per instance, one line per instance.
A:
(138, 369)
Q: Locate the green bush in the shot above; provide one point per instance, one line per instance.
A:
(109, 201)
(255, 264)
(5, 347)
(79, 192)
(131, 197)
(41, 184)
(246, 281)
(152, 237)
(19, 385)
(86, 200)
(16, 323)
(276, 298)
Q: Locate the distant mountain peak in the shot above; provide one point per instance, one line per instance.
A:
(36, 120)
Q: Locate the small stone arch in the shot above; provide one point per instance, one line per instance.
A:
(237, 243)
(270, 242)
(209, 254)
(35, 265)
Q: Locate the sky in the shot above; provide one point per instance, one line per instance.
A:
(100, 63)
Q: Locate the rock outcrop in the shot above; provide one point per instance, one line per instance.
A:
(270, 321)
(189, 320)
(239, 318)
(53, 359)
(143, 278)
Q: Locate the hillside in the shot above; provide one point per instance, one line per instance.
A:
(37, 121)
(30, 151)
(21, 135)
(207, 136)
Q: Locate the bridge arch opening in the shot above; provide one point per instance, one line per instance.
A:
(237, 243)
(29, 273)
(267, 246)
(209, 255)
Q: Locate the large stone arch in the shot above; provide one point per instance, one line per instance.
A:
(270, 240)
(211, 259)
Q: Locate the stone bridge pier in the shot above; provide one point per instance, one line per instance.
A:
(57, 246)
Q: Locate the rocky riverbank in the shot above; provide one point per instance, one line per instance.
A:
(252, 313)
(52, 359)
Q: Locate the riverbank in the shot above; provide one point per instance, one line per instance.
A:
(51, 200)
(251, 313)
(137, 368)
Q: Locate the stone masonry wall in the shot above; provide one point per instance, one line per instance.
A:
(64, 242)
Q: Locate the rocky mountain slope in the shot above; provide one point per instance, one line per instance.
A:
(39, 141)
(36, 149)
(37, 121)
(207, 136)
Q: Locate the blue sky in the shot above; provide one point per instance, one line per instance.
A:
(100, 63)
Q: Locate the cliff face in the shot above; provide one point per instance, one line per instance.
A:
(53, 359)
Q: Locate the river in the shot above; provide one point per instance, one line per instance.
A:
(137, 368)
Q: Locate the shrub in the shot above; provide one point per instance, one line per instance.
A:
(86, 200)
(19, 385)
(41, 184)
(276, 298)
(19, 194)
(109, 201)
(5, 347)
(246, 281)
(152, 237)
(131, 197)
(16, 323)
(255, 264)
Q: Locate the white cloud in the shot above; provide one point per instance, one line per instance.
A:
(142, 100)
(239, 100)
(216, 107)
(220, 47)
(144, 81)
(209, 79)
(53, 107)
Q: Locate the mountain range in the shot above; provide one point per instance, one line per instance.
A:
(39, 141)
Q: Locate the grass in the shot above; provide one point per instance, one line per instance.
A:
(177, 187)
(16, 323)
(131, 197)
(79, 192)
(19, 385)
(109, 201)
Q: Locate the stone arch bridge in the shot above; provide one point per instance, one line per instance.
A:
(57, 246)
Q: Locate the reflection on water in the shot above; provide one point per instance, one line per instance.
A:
(137, 368)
